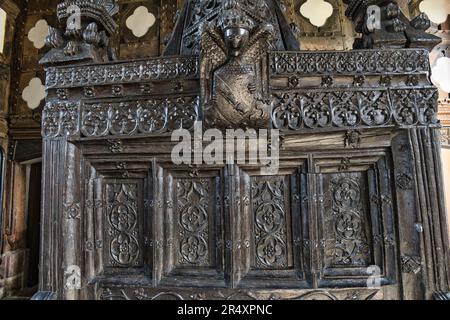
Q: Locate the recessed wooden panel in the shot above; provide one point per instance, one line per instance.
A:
(192, 231)
(273, 227)
(123, 224)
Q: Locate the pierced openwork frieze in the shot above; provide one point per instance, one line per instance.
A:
(149, 116)
(310, 109)
(350, 62)
(123, 72)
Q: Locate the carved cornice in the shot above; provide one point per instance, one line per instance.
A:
(387, 61)
(123, 72)
(345, 90)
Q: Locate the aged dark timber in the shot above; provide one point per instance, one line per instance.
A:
(359, 187)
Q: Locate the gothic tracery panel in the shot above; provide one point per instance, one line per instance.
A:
(193, 222)
(346, 224)
(270, 223)
(123, 225)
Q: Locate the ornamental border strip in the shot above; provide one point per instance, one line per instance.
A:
(166, 68)
(293, 111)
(386, 61)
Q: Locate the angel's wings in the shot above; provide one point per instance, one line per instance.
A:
(259, 43)
(213, 48)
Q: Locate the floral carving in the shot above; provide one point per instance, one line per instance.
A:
(123, 228)
(270, 222)
(194, 249)
(124, 249)
(193, 222)
(369, 61)
(150, 116)
(347, 222)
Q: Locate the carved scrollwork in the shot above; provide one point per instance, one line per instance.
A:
(150, 116)
(60, 119)
(295, 110)
(415, 106)
(133, 293)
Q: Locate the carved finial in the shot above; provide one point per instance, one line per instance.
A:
(384, 25)
(87, 25)
(421, 22)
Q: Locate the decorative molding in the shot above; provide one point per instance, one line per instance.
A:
(165, 68)
(151, 116)
(110, 292)
(311, 109)
(386, 61)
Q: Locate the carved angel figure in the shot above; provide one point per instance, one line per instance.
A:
(234, 84)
